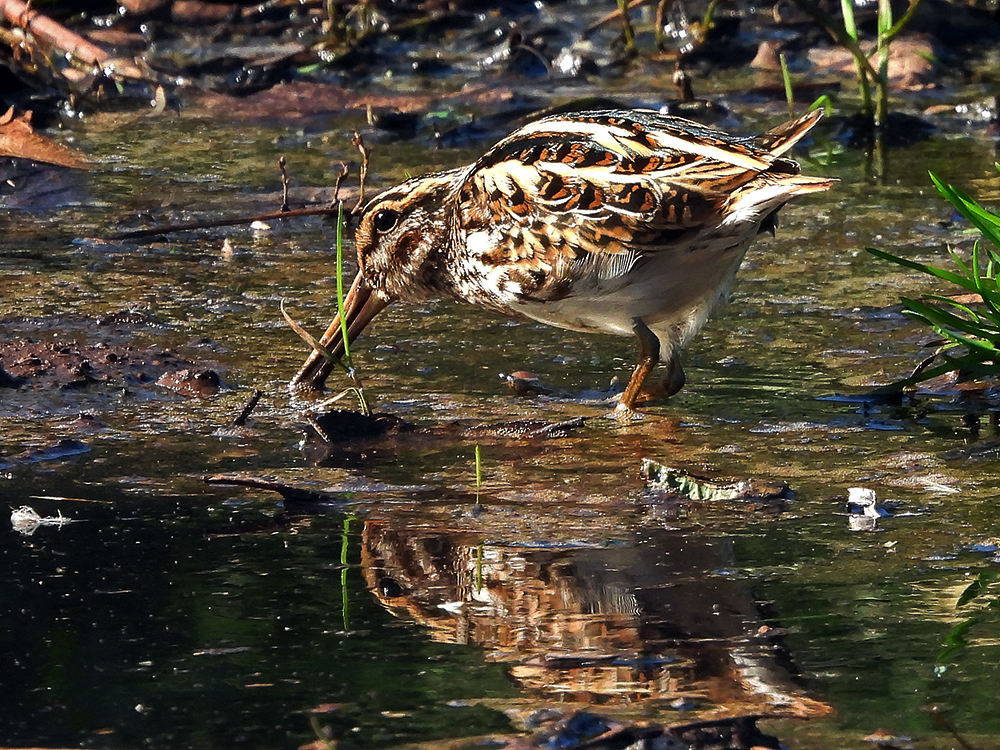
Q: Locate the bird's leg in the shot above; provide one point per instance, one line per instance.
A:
(649, 355)
(672, 381)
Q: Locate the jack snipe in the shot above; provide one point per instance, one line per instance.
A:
(621, 221)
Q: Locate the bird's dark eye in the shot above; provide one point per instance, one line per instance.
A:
(385, 219)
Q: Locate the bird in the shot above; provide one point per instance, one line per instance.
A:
(618, 221)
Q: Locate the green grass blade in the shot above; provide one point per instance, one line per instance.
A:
(982, 219)
(884, 21)
(970, 328)
(955, 641)
(850, 26)
(987, 325)
(479, 472)
(340, 287)
(976, 588)
(940, 273)
(786, 77)
(980, 347)
(954, 327)
(964, 269)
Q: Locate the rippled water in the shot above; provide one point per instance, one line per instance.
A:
(172, 613)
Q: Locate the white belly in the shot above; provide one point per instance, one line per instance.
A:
(672, 291)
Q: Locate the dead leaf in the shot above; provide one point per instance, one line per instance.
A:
(19, 139)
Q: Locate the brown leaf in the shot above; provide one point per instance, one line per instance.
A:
(19, 139)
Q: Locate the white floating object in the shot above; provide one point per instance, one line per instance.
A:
(861, 495)
(26, 520)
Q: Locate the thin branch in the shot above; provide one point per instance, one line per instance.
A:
(21, 16)
(366, 153)
(231, 221)
(248, 408)
(35, 29)
(344, 170)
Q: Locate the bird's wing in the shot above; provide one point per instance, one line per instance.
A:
(590, 193)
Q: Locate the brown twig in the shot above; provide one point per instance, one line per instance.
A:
(945, 724)
(283, 213)
(231, 221)
(661, 24)
(344, 170)
(314, 423)
(358, 141)
(45, 29)
(614, 16)
(248, 408)
(36, 30)
(284, 184)
(19, 139)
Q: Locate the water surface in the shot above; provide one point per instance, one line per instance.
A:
(172, 613)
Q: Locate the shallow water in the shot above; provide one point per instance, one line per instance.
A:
(172, 613)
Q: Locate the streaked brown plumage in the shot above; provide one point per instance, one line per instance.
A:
(620, 221)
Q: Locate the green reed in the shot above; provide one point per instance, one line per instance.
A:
(970, 331)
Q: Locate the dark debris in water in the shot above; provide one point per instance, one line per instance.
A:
(666, 482)
(349, 438)
(32, 364)
(901, 130)
(77, 353)
(341, 425)
(344, 437)
(289, 493)
(583, 729)
(63, 448)
(526, 385)
(524, 429)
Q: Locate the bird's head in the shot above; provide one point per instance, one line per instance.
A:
(401, 236)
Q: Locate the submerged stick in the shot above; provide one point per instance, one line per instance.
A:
(231, 221)
(248, 408)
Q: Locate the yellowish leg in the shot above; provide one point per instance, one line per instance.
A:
(649, 356)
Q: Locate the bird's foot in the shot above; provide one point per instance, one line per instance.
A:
(625, 414)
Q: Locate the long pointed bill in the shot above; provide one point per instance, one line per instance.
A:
(361, 305)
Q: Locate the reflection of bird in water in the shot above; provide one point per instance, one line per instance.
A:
(613, 221)
(600, 624)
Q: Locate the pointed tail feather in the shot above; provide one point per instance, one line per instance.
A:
(780, 139)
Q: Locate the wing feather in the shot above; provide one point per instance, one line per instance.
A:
(588, 195)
